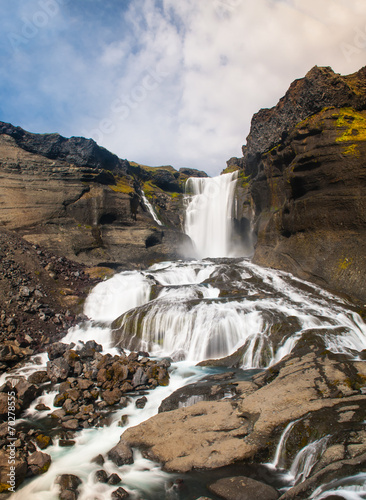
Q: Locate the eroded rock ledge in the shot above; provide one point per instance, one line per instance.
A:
(323, 392)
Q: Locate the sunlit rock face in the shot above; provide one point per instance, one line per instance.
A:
(79, 200)
(303, 180)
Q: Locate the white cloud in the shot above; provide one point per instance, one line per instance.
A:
(178, 83)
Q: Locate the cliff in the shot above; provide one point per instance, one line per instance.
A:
(78, 200)
(303, 179)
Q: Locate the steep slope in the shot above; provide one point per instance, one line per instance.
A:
(304, 177)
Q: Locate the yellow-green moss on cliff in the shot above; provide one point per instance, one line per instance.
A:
(353, 124)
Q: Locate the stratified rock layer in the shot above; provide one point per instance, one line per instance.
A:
(78, 200)
(303, 181)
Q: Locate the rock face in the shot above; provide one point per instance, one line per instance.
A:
(75, 198)
(321, 393)
(303, 179)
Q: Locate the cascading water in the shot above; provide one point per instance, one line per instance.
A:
(209, 221)
(191, 311)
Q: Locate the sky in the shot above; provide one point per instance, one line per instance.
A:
(166, 82)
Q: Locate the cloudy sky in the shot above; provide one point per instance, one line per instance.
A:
(166, 81)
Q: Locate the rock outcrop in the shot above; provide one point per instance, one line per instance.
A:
(321, 393)
(303, 178)
(80, 201)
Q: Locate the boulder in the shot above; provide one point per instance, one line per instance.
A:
(243, 488)
(58, 370)
(38, 463)
(121, 454)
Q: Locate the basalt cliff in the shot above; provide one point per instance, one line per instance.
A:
(303, 178)
(82, 202)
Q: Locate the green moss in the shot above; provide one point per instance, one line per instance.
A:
(122, 185)
(345, 263)
(230, 169)
(353, 124)
(351, 150)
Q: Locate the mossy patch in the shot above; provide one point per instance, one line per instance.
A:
(351, 150)
(345, 263)
(353, 124)
(122, 185)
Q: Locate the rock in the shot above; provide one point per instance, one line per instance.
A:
(141, 402)
(71, 424)
(20, 470)
(192, 172)
(243, 488)
(69, 485)
(27, 392)
(56, 350)
(165, 180)
(38, 463)
(42, 407)
(99, 460)
(112, 397)
(38, 378)
(58, 370)
(214, 434)
(114, 479)
(121, 454)
(43, 441)
(101, 476)
(305, 181)
(139, 378)
(120, 494)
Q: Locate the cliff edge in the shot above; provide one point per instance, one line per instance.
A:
(303, 179)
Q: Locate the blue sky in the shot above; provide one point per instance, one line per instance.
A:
(166, 81)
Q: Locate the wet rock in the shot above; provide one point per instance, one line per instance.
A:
(57, 350)
(58, 370)
(99, 460)
(139, 378)
(121, 454)
(114, 479)
(38, 378)
(69, 485)
(243, 488)
(27, 392)
(112, 397)
(43, 441)
(120, 494)
(101, 476)
(71, 424)
(38, 463)
(65, 443)
(141, 402)
(42, 407)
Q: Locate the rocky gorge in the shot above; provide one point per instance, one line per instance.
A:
(254, 379)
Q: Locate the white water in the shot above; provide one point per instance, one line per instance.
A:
(209, 212)
(194, 316)
(280, 450)
(306, 459)
(151, 209)
(349, 488)
(199, 310)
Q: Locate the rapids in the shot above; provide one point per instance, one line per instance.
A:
(192, 311)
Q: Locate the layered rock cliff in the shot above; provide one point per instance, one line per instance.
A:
(303, 179)
(78, 200)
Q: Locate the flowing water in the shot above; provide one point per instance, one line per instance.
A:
(193, 311)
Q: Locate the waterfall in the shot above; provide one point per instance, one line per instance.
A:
(307, 458)
(276, 463)
(150, 209)
(209, 221)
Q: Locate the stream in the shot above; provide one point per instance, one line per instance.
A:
(191, 311)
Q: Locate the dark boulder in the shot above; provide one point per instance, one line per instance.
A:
(243, 488)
